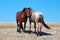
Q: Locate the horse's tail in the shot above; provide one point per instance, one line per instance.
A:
(45, 25)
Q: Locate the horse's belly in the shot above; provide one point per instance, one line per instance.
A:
(23, 20)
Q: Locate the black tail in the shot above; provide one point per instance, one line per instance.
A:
(45, 25)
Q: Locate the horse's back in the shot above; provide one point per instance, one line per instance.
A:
(36, 14)
(18, 14)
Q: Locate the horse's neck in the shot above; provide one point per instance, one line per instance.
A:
(24, 14)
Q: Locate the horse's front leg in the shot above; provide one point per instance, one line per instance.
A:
(21, 27)
(18, 26)
(24, 25)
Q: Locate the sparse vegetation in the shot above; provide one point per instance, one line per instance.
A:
(8, 32)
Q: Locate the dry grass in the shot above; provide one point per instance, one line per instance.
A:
(8, 32)
(13, 24)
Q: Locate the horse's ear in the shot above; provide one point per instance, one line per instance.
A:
(29, 8)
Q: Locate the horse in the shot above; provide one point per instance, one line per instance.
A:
(22, 16)
(38, 19)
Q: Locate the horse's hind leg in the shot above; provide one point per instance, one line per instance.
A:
(40, 28)
(35, 26)
(39, 25)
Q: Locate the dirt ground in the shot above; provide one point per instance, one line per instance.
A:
(8, 32)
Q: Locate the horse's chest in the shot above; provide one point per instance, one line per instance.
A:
(23, 16)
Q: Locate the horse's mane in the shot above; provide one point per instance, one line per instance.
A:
(23, 9)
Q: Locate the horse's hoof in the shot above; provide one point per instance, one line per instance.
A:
(19, 31)
(40, 35)
(29, 32)
(37, 34)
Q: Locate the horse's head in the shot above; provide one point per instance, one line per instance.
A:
(27, 11)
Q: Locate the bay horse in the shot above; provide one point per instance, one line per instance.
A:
(22, 17)
(38, 19)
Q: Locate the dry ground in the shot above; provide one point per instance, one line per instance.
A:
(8, 32)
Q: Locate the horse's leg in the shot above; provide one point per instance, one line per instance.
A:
(40, 28)
(35, 26)
(21, 27)
(24, 25)
(18, 26)
(30, 28)
(39, 25)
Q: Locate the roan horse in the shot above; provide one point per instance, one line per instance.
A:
(38, 19)
(22, 17)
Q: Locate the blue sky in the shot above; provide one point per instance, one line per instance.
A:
(49, 8)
